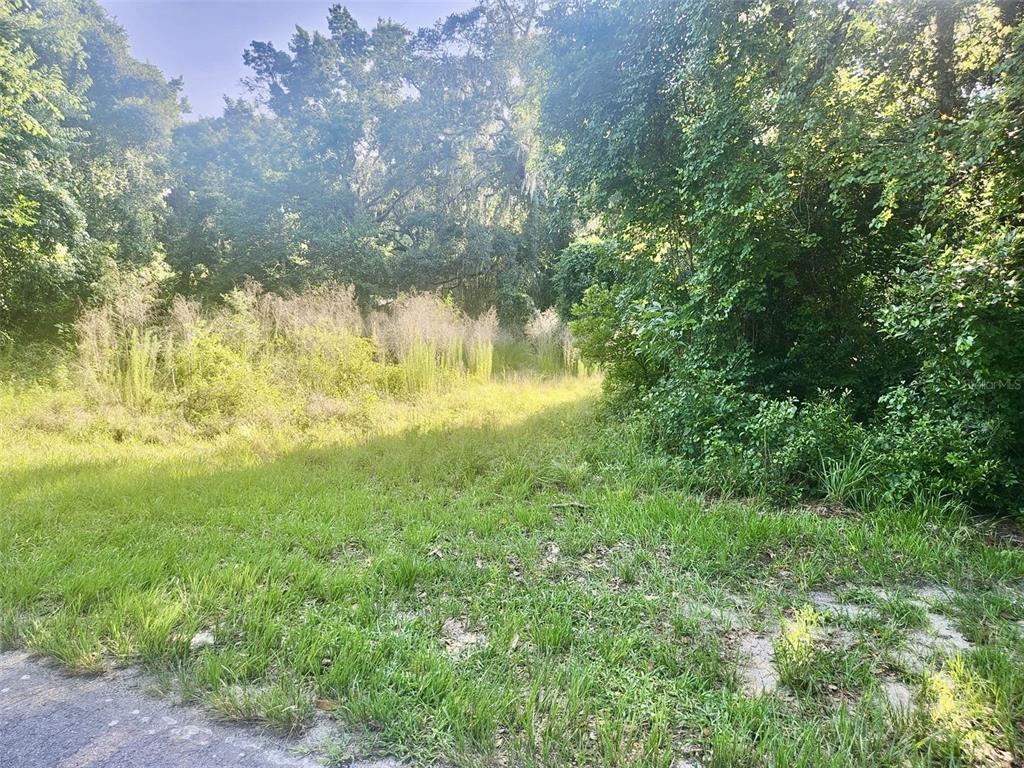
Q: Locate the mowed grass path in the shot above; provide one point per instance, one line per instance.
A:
(492, 577)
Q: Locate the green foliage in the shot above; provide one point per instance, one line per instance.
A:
(782, 253)
(386, 159)
(583, 264)
(390, 160)
(800, 226)
(84, 128)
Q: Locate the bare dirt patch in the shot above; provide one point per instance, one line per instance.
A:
(458, 638)
(899, 695)
(550, 556)
(940, 638)
(756, 665)
(1006, 534)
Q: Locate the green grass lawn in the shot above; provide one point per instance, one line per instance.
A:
(493, 576)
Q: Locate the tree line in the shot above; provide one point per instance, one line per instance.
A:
(790, 232)
(384, 158)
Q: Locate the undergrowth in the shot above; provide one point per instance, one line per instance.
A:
(260, 357)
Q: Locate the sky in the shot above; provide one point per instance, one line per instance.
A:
(203, 40)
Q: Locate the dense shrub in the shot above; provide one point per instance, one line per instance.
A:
(586, 262)
(216, 381)
(820, 265)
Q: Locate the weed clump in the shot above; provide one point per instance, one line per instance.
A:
(260, 356)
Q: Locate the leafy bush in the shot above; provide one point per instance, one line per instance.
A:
(216, 382)
(585, 263)
(819, 282)
(335, 363)
(960, 449)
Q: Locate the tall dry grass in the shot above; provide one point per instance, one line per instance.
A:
(483, 331)
(424, 336)
(552, 343)
(433, 342)
(259, 351)
(118, 350)
(330, 307)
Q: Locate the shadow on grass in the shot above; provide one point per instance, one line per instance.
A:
(398, 578)
(432, 586)
(414, 453)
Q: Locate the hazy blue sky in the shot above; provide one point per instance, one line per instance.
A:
(203, 41)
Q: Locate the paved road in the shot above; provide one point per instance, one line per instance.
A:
(51, 720)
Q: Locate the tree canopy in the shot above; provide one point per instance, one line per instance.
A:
(817, 202)
(385, 158)
(83, 157)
